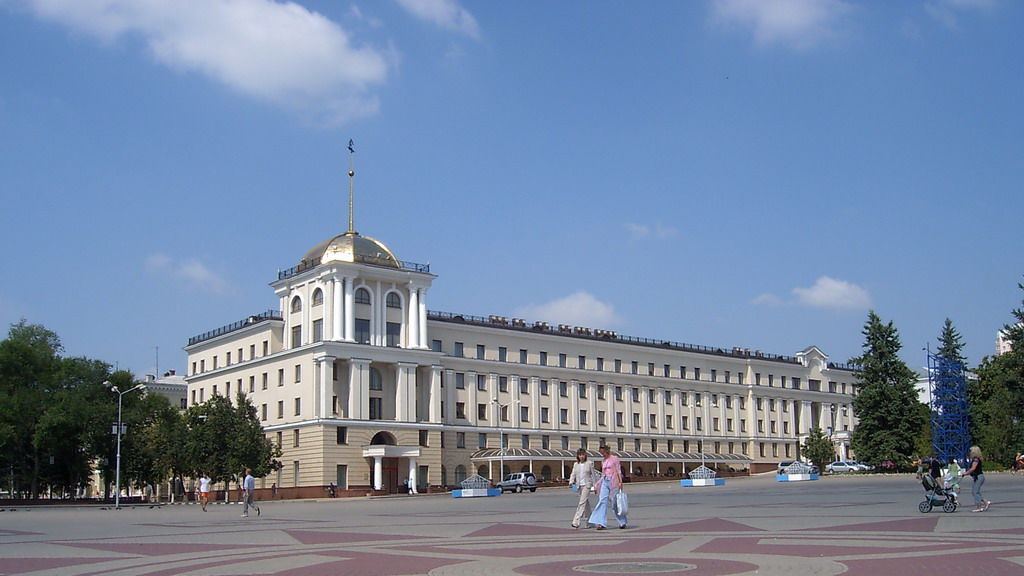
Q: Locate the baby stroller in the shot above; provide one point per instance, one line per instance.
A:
(935, 495)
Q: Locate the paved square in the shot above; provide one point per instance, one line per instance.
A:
(853, 525)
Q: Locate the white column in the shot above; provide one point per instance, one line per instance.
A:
(325, 385)
(378, 473)
(594, 407)
(805, 418)
(660, 398)
(449, 396)
(338, 311)
(645, 411)
(405, 392)
(307, 305)
(412, 475)
(434, 412)
(358, 388)
(423, 318)
(349, 311)
(471, 402)
(413, 320)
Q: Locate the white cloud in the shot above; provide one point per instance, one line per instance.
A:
(274, 51)
(190, 271)
(825, 293)
(658, 230)
(946, 11)
(444, 13)
(798, 23)
(831, 293)
(577, 309)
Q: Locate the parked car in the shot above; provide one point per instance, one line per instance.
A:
(842, 466)
(782, 466)
(518, 481)
(862, 465)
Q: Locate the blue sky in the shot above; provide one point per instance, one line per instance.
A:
(724, 172)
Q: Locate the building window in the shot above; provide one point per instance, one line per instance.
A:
(522, 356)
(298, 406)
(618, 393)
(543, 358)
(394, 334)
(545, 442)
(600, 364)
(651, 396)
(581, 362)
(295, 438)
(524, 414)
(481, 411)
(263, 412)
(481, 440)
(565, 442)
(362, 330)
(714, 375)
(563, 389)
(668, 422)
(634, 367)
(582, 390)
(435, 345)
(280, 408)
(618, 419)
(376, 381)
(424, 437)
(650, 368)
(696, 373)
(252, 384)
(460, 439)
(227, 359)
(392, 300)
(481, 382)
(296, 304)
(543, 387)
(376, 408)
(342, 435)
(502, 354)
(653, 420)
(618, 365)
(318, 297)
(298, 373)
(460, 381)
(545, 416)
(601, 418)
(636, 419)
(525, 439)
(459, 350)
(503, 383)
(563, 415)
(600, 391)
(583, 417)
(481, 352)
(296, 336)
(524, 386)
(460, 410)
(362, 296)
(635, 392)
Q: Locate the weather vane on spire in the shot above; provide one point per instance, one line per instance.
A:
(351, 187)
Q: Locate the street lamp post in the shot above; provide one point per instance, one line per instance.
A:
(119, 432)
(501, 437)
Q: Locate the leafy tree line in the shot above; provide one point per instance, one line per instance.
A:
(57, 417)
(894, 425)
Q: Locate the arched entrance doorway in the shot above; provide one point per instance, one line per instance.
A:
(387, 463)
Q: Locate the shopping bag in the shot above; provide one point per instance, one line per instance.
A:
(621, 503)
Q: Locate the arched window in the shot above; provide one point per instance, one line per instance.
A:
(362, 296)
(545, 473)
(460, 473)
(444, 476)
(393, 300)
(296, 304)
(482, 471)
(525, 468)
(318, 297)
(376, 382)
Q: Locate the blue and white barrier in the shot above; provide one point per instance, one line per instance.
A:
(795, 477)
(475, 492)
(702, 482)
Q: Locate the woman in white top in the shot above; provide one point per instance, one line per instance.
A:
(204, 490)
(582, 478)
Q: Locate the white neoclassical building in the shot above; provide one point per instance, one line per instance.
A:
(362, 386)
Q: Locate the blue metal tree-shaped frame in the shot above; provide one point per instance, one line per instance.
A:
(951, 436)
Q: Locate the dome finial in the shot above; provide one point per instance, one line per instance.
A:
(351, 187)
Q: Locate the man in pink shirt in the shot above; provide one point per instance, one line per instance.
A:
(610, 484)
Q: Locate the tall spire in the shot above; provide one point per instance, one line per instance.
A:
(351, 188)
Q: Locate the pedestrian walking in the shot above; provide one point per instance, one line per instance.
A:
(610, 485)
(976, 470)
(582, 480)
(248, 489)
(204, 490)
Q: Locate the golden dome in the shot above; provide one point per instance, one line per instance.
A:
(351, 247)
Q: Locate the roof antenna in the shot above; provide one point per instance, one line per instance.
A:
(351, 188)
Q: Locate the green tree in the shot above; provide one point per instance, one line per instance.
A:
(951, 344)
(887, 408)
(29, 364)
(996, 398)
(225, 439)
(818, 448)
